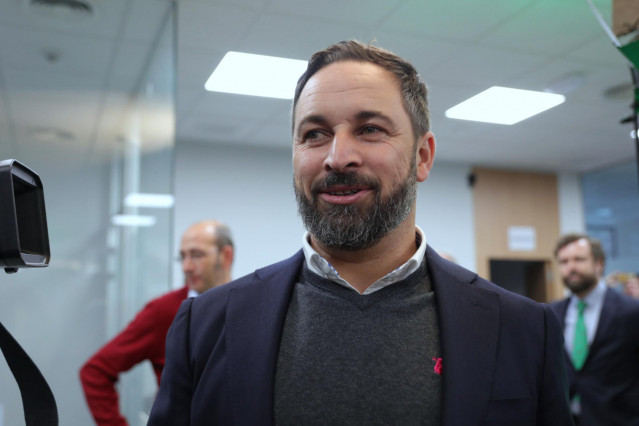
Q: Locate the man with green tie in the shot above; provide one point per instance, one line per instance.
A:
(601, 337)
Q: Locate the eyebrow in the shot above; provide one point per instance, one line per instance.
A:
(360, 116)
(312, 119)
(365, 115)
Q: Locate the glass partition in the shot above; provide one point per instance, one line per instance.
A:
(95, 118)
(143, 173)
(611, 201)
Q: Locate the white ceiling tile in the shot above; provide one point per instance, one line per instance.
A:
(464, 20)
(274, 130)
(43, 80)
(255, 5)
(226, 121)
(530, 146)
(130, 59)
(293, 38)
(212, 130)
(187, 100)
(204, 28)
(599, 51)
(195, 68)
(363, 12)
(547, 27)
(73, 112)
(26, 49)
(470, 64)
(52, 101)
(425, 53)
(568, 137)
(146, 19)
(112, 123)
(105, 21)
(594, 79)
(225, 104)
(458, 46)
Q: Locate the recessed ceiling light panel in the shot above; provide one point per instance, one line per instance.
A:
(256, 75)
(503, 105)
(149, 200)
(132, 220)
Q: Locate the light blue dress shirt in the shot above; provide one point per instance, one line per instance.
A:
(594, 302)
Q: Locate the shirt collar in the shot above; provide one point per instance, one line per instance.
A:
(595, 297)
(192, 293)
(323, 268)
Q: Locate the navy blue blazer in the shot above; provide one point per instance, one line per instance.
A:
(608, 383)
(502, 353)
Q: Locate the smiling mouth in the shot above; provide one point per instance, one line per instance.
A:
(343, 192)
(347, 185)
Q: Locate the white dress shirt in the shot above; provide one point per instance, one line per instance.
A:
(323, 268)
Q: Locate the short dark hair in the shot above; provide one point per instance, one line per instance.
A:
(595, 246)
(413, 89)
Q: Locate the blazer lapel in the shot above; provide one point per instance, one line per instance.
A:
(608, 310)
(469, 329)
(253, 338)
(561, 310)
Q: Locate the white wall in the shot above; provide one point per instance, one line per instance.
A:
(250, 189)
(445, 212)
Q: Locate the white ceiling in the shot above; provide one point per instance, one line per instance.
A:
(460, 47)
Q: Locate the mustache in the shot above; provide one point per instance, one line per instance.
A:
(344, 179)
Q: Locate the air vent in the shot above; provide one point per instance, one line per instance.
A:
(74, 9)
(619, 92)
(51, 134)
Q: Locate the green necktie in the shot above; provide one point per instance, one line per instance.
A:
(580, 347)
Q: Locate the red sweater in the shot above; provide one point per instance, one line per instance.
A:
(144, 338)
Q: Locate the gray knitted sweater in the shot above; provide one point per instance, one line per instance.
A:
(352, 359)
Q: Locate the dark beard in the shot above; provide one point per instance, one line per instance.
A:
(585, 282)
(355, 227)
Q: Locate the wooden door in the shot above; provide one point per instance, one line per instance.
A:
(517, 218)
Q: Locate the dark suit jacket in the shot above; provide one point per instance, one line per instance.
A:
(502, 353)
(608, 383)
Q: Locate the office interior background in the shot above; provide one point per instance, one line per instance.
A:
(106, 98)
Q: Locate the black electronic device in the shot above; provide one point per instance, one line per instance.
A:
(24, 242)
(24, 238)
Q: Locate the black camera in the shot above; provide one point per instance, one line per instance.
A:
(24, 242)
(24, 238)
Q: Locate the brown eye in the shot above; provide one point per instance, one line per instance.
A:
(371, 130)
(313, 134)
(314, 137)
(370, 133)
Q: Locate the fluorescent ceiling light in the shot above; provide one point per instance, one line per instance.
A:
(132, 220)
(502, 105)
(162, 201)
(256, 75)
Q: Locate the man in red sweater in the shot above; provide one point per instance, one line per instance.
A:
(206, 253)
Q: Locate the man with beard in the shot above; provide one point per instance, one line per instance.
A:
(206, 255)
(366, 325)
(601, 334)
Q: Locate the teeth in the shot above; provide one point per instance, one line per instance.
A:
(349, 192)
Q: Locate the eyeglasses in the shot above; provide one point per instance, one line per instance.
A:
(194, 255)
